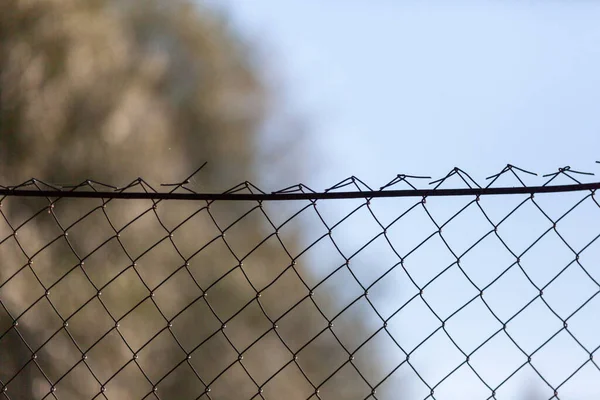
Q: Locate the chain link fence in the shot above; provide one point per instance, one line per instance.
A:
(409, 291)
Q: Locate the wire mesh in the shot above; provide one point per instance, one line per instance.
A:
(118, 293)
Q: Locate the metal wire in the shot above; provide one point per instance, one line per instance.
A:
(34, 325)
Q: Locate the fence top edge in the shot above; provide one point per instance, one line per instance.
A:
(288, 196)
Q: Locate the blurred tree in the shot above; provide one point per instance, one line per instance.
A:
(142, 84)
(112, 90)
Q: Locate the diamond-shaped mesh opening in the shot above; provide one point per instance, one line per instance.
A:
(541, 268)
(90, 323)
(134, 239)
(446, 297)
(213, 357)
(105, 263)
(520, 229)
(583, 384)
(318, 368)
(130, 377)
(37, 233)
(470, 327)
(572, 356)
(584, 324)
(160, 263)
(107, 356)
(405, 333)
(226, 303)
(159, 357)
(532, 327)
(486, 261)
(406, 234)
(245, 233)
(283, 294)
(141, 325)
(458, 239)
(360, 310)
(318, 261)
(300, 325)
(246, 327)
(428, 261)
(58, 355)
(372, 261)
(569, 291)
(578, 227)
(21, 291)
(55, 262)
(41, 314)
(449, 292)
(123, 293)
(82, 242)
(181, 282)
(298, 229)
(211, 263)
(507, 359)
(434, 372)
(350, 234)
(388, 362)
(199, 310)
(63, 296)
(266, 262)
(397, 282)
(522, 293)
(199, 226)
(266, 357)
(331, 306)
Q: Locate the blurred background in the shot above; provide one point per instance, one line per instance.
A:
(277, 93)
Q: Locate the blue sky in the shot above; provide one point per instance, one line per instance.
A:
(417, 87)
(421, 87)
